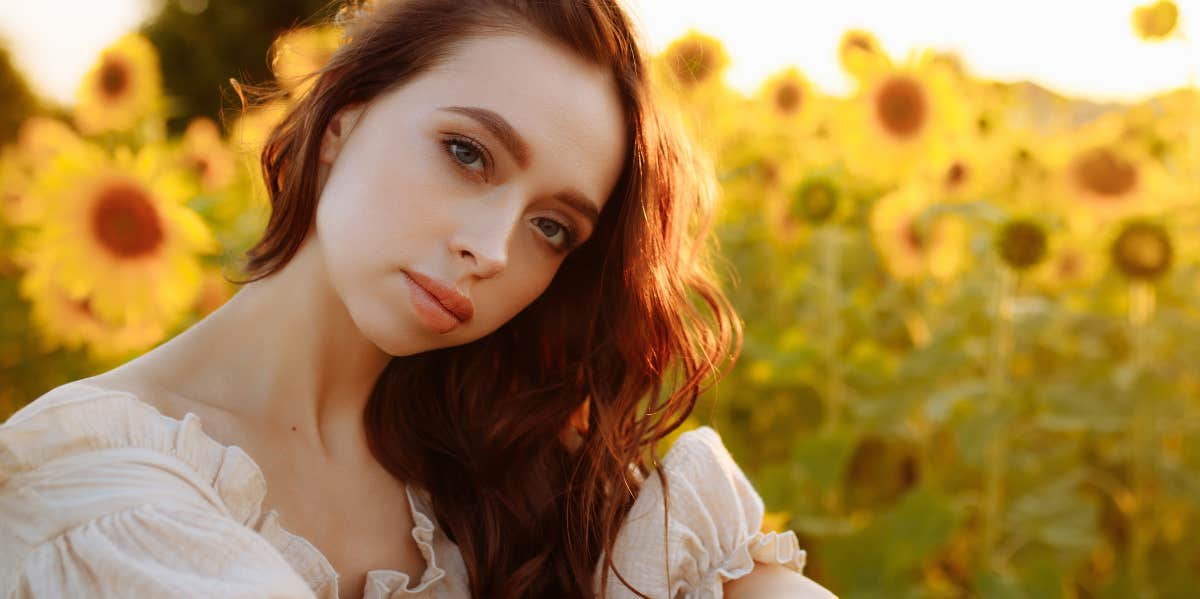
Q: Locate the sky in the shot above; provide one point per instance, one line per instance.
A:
(1083, 48)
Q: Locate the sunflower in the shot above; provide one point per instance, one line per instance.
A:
(42, 139)
(968, 168)
(118, 235)
(299, 53)
(860, 54)
(205, 153)
(1021, 243)
(898, 118)
(1070, 263)
(1157, 21)
(694, 59)
(1102, 177)
(16, 206)
(65, 322)
(123, 87)
(914, 239)
(787, 93)
(791, 104)
(816, 199)
(39, 141)
(1142, 250)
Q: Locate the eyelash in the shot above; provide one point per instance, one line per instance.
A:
(448, 144)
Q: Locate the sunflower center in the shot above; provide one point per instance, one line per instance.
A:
(694, 61)
(1070, 265)
(860, 42)
(787, 98)
(1102, 172)
(200, 165)
(125, 221)
(1022, 244)
(956, 174)
(1142, 251)
(114, 77)
(82, 307)
(815, 201)
(913, 237)
(901, 106)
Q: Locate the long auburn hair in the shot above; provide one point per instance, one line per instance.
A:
(628, 333)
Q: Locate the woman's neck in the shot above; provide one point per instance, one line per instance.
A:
(283, 350)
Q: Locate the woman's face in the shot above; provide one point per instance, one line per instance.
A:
(480, 175)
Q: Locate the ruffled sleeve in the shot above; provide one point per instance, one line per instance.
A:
(711, 536)
(97, 499)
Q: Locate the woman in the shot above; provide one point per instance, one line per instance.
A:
(447, 370)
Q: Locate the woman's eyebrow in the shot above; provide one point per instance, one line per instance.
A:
(580, 204)
(516, 145)
(499, 127)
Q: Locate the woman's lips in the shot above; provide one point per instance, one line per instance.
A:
(446, 296)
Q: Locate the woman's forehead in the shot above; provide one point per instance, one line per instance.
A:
(564, 109)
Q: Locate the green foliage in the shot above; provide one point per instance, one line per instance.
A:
(201, 52)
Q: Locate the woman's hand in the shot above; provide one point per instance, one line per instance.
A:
(771, 581)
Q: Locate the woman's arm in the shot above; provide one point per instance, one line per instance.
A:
(769, 581)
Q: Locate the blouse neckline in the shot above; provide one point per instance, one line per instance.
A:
(304, 557)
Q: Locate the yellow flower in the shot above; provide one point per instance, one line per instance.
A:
(39, 140)
(118, 234)
(302, 52)
(1103, 178)
(860, 54)
(694, 59)
(64, 322)
(790, 103)
(913, 239)
(898, 118)
(42, 139)
(968, 168)
(1021, 243)
(1155, 21)
(123, 87)
(16, 205)
(977, 162)
(1142, 250)
(204, 152)
(816, 200)
(1071, 263)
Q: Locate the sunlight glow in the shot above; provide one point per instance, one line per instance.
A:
(1084, 48)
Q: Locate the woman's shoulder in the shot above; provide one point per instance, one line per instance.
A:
(703, 531)
(99, 491)
(82, 421)
(81, 393)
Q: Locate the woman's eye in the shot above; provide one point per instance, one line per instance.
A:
(467, 154)
(553, 229)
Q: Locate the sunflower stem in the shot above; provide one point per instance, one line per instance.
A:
(828, 243)
(997, 450)
(1141, 312)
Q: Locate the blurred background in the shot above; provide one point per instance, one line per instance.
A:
(963, 237)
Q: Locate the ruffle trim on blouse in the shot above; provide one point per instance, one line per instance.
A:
(90, 411)
(764, 548)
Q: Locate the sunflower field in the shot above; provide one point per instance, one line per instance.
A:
(971, 316)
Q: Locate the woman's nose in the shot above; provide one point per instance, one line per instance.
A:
(483, 239)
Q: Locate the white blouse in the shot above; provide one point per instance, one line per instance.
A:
(101, 495)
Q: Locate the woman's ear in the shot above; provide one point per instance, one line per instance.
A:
(338, 131)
